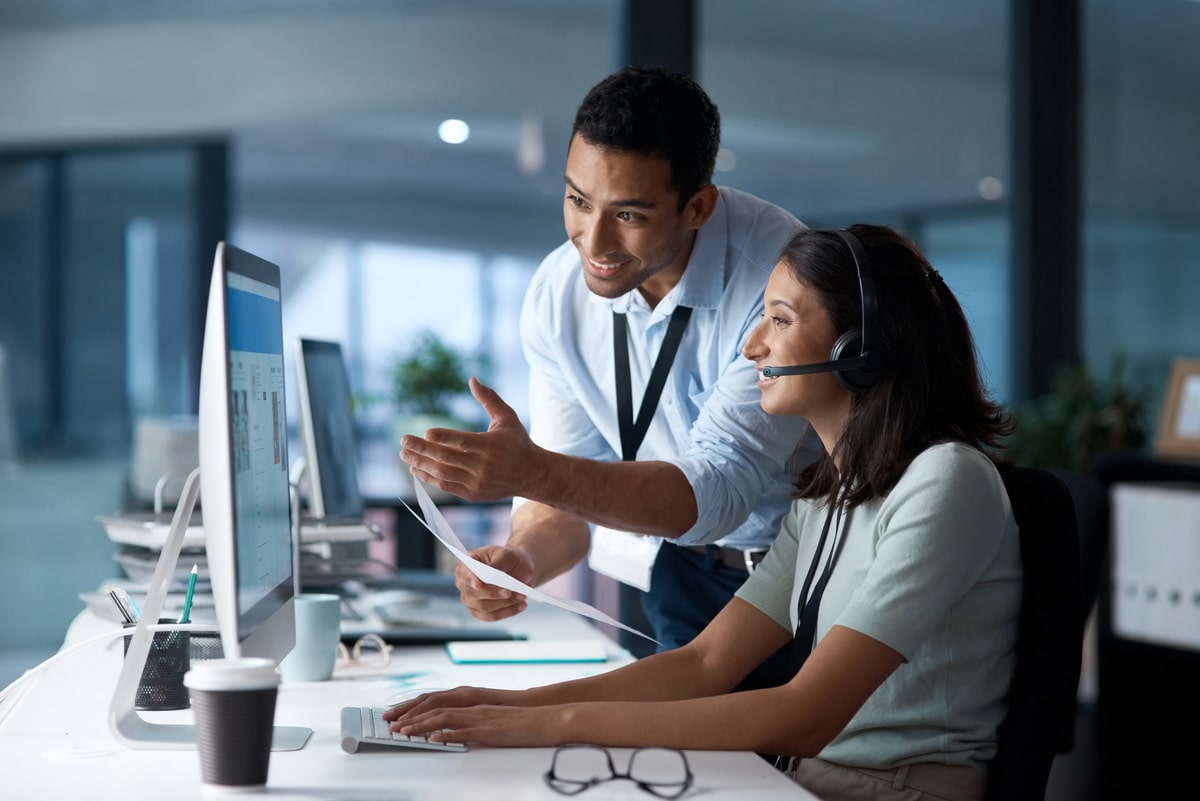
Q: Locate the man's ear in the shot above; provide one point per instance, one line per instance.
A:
(701, 206)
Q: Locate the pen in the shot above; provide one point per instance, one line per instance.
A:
(130, 610)
(112, 594)
(187, 599)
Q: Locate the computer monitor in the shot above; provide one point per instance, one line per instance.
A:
(243, 478)
(327, 426)
(243, 459)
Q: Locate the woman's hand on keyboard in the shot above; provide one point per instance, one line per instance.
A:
(446, 699)
(486, 724)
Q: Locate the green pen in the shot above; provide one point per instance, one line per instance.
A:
(187, 599)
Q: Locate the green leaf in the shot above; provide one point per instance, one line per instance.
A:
(1080, 418)
(427, 377)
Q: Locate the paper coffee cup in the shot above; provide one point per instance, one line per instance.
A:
(234, 703)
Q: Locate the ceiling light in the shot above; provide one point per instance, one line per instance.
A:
(990, 188)
(454, 132)
(726, 159)
(531, 147)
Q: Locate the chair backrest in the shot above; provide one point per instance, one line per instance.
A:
(1041, 708)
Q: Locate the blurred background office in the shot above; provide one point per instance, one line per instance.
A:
(402, 162)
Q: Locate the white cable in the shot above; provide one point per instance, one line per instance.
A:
(38, 669)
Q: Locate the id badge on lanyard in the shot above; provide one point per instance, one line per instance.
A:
(626, 557)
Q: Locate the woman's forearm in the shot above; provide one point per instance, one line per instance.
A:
(799, 718)
(766, 721)
(673, 675)
(737, 640)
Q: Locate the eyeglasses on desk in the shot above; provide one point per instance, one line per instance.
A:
(663, 772)
(369, 651)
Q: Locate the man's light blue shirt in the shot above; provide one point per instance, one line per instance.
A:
(709, 422)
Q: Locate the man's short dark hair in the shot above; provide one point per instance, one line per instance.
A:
(652, 111)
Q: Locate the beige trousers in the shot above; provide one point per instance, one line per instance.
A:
(921, 782)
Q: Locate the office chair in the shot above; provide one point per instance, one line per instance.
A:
(1041, 706)
(1093, 515)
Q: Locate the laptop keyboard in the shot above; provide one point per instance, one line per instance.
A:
(408, 614)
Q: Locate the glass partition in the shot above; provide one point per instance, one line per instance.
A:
(876, 113)
(1141, 255)
(96, 315)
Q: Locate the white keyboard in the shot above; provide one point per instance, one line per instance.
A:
(365, 726)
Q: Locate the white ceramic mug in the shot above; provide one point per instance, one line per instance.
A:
(318, 629)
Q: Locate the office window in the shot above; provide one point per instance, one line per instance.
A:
(1140, 270)
(375, 297)
(96, 301)
(98, 294)
(26, 187)
(1142, 282)
(877, 112)
(972, 254)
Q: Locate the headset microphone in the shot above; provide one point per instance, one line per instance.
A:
(858, 357)
(870, 361)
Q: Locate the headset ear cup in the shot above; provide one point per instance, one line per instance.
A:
(848, 346)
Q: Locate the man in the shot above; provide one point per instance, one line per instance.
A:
(650, 237)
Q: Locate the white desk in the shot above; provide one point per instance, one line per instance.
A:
(55, 744)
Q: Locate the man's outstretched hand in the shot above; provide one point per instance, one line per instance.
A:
(488, 466)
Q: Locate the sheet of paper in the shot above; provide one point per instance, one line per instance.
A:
(437, 525)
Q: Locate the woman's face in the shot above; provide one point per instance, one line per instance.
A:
(795, 329)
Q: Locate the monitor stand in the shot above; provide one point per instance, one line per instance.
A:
(127, 726)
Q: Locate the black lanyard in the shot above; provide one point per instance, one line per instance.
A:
(632, 433)
(806, 626)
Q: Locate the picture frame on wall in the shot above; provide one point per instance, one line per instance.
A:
(1179, 425)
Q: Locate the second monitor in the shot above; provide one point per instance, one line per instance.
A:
(326, 417)
(427, 609)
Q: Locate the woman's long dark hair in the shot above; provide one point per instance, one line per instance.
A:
(929, 390)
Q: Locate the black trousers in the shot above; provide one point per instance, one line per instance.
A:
(687, 590)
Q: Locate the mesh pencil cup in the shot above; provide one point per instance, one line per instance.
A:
(161, 686)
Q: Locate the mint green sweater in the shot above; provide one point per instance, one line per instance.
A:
(933, 571)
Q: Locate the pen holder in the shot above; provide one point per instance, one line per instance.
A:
(205, 645)
(161, 686)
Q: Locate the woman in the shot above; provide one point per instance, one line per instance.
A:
(901, 538)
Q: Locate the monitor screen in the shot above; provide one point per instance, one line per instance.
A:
(327, 420)
(244, 460)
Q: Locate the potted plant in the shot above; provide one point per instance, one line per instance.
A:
(1082, 416)
(426, 380)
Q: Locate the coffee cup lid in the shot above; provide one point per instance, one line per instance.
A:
(245, 673)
